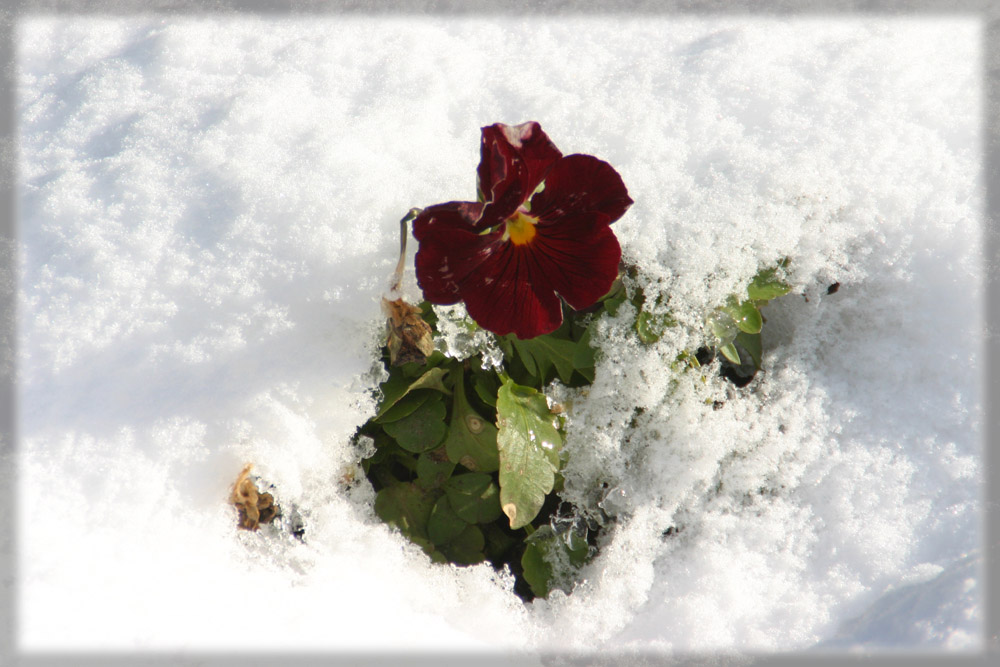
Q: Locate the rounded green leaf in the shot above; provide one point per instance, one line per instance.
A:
(405, 406)
(486, 385)
(722, 327)
(398, 386)
(443, 525)
(536, 569)
(406, 506)
(472, 441)
(466, 548)
(647, 329)
(423, 429)
(584, 356)
(766, 286)
(650, 327)
(433, 468)
(746, 316)
(474, 497)
(551, 560)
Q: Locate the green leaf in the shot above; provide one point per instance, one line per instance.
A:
(766, 286)
(423, 429)
(397, 386)
(405, 406)
(427, 312)
(722, 327)
(414, 369)
(466, 548)
(529, 445)
(474, 497)
(486, 385)
(650, 327)
(472, 441)
(584, 356)
(434, 468)
(648, 333)
(550, 560)
(746, 315)
(443, 525)
(617, 292)
(613, 302)
(729, 352)
(751, 344)
(432, 379)
(541, 353)
(536, 570)
(406, 506)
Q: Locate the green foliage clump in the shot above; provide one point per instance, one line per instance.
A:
(736, 326)
(467, 460)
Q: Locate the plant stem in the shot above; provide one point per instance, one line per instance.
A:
(397, 276)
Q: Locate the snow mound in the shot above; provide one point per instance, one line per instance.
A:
(208, 217)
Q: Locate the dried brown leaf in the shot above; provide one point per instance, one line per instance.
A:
(409, 335)
(253, 507)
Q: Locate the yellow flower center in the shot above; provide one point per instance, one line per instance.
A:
(520, 229)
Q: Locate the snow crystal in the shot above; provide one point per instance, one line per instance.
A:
(460, 337)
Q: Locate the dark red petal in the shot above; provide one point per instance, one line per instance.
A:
(508, 292)
(581, 184)
(454, 214)
(579, 258)
(513, 161)
(447, 241)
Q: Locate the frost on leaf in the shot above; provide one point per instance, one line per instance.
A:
(529, 445)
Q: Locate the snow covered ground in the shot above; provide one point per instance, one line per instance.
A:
(208, 214)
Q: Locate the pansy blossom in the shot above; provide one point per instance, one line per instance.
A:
(540, 231)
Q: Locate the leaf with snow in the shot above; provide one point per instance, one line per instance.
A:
(529, 445)
(766, 285)
(650, 327)
(745, 314)
(549, 559)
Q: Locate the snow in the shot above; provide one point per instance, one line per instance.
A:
(208, 216)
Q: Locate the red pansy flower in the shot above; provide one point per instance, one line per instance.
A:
(541, 228)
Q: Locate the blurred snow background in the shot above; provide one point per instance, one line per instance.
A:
(208, 214)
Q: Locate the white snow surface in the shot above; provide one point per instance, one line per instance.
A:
(208, 217)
